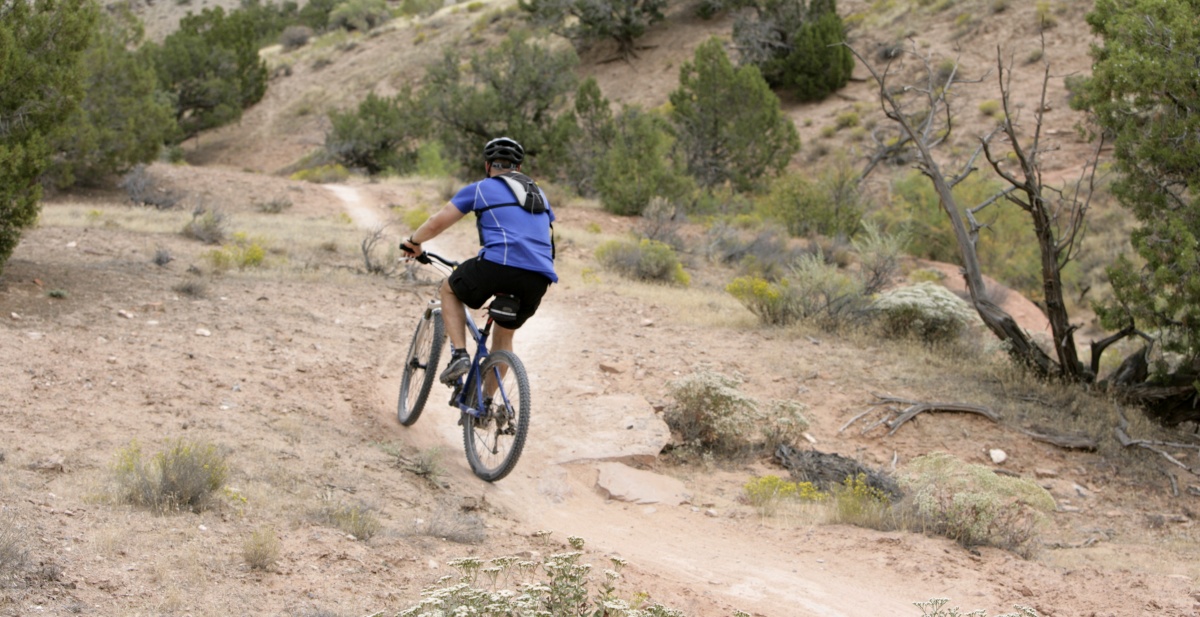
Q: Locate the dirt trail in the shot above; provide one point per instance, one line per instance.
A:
(577, 425)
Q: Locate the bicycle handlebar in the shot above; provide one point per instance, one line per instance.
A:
(428, 258)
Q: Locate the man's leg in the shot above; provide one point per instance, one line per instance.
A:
(454, 317)
(455, 320)
(502, 339)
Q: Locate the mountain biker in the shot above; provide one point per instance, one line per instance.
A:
(516, 258)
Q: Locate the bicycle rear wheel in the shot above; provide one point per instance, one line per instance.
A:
(420, 367)
(494, 442)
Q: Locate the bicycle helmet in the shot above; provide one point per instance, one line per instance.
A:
(503, 148)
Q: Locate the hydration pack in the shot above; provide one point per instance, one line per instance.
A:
(529, 196)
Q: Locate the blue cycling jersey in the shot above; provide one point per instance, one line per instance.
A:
(509, 234)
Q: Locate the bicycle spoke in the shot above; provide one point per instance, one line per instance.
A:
(494, 443)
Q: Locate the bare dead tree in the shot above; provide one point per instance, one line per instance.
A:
(914, 108)
(372, 265)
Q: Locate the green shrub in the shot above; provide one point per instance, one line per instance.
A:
(410, 8)
(879, 257)
(757, 249)
(728, 122)
(39, 89)
(432, 161)
(516, 87)
(774, 303)
(639, 165)
(974, 505)
(357, 520)
(122, 119)
(144, 189)
(782, 423)
(710, 415)
(646, 260)
(989, 108)
(824, 293)
(208, 225)
(379, 135)
(242, 253)
(184, 476)
(211, 68)
(1045, 17)
(361, 15)
(275, 205)
(766, 492)
(583, 22)
(925, 311)
(832, 206)
(847, 119)
(322, 174)
(798, 46)
(295, 37)
(856, 502)
(1007, 248)
(560, 585)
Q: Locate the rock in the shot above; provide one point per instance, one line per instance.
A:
(612, 369)
(203, 332)
(124, 313)
(1045, 473)
(624, 483)
(998, 456)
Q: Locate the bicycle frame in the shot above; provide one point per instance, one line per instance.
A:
(473, 382)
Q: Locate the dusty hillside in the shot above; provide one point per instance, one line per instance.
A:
(292, 369)
(336, 72)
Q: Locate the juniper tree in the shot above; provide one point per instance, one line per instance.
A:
(211, 68)
(517, 88)
(41, 42)
(123, 118)
(1144, 92)
(728, 122)
(381, 134)
(585, 21)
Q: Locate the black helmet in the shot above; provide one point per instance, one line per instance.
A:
(503, 148)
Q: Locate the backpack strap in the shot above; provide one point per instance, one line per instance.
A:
(528, 195)
(529, 198)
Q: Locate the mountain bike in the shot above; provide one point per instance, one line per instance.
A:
(492, 398)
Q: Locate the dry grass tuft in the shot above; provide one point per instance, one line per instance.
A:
(357, 520)
(261, 549)
(185, 476)
(451, 524)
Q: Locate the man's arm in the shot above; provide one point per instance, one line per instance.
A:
(431, 228)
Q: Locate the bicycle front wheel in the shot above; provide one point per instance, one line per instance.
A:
(494, 441)
(420, 367)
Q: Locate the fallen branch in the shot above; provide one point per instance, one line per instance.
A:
(895, 418)
(1154, 446)
(1067, 442)
(918, 407)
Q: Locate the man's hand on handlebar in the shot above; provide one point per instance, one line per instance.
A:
(410, 248)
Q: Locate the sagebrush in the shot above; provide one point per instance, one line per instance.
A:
(186, 475)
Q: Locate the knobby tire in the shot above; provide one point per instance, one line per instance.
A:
(494, 444)
(420, 367)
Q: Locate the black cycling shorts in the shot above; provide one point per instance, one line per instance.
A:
(476, 280)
